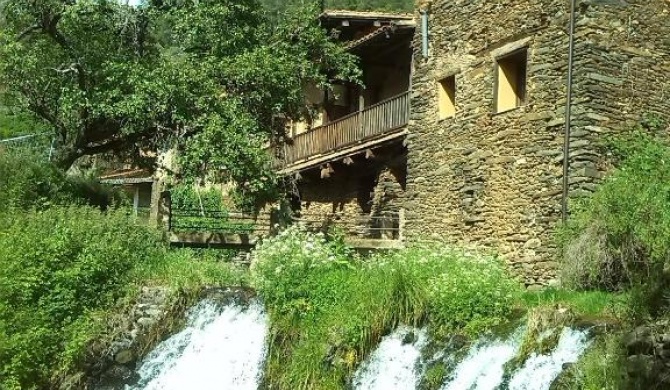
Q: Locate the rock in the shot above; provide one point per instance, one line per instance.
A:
(117, 376)
(639, 341)
(409, 338)
(125, 356)
(533, 243)
(146, 322)
(154, 312)
(642, 367)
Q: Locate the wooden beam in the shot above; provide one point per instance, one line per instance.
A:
(369, 154)
(393, 136)
(348, 160)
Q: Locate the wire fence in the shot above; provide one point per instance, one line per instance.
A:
(40, 144)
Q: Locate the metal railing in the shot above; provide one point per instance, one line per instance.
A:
(383, 225)
(373, 121)
(217, 221)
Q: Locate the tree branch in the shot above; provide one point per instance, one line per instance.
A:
(39, 107)
(28, 31)
(52, 30)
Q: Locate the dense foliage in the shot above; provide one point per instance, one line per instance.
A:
(329, 306)
(618, 237)
(108, 77)
(14, 124)
(28, 180)
(51, 281)
(358, 5)
(64, 267)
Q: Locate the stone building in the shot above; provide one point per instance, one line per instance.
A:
(486, 135)
(348, 162)
(459, 133)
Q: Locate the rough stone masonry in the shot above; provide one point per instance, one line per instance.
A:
(495, 179)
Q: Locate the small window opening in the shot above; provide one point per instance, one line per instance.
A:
(511, 81)
(447, 97)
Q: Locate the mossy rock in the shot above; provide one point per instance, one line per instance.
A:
(442, 357)
(543, 330)
(434, 377)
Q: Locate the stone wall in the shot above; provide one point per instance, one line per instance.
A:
(350, 195)
(622, 72)
(495, 179)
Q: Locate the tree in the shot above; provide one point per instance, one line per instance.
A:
(108, 77)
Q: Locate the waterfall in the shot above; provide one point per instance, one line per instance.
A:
(484, 366)
(224, 347)
(539, 371)
(393, 365)
(221, 348)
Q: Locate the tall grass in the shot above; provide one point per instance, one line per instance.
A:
(618, 237)
(329, 308)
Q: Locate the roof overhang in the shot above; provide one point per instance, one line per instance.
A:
(382, 35)
(127, 176)
(128, 180)
(364, 16)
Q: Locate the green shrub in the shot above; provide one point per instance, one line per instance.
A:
(329, 308)
(29, 181)
(189, 197)
(190, 269)
(63, 270)
(15, 123)
(601, 368)
(26, 182)
(465, 290)
(619, 236)
(57, 266)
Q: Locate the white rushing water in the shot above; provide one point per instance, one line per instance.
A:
(222, 348)
(393, 365)
(483, 367)
(539, 371)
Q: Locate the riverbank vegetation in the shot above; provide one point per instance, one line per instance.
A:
(329, 307)
(617, 242)
(66, 265)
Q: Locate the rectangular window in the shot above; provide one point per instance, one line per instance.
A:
(447, 97)
(511, 81)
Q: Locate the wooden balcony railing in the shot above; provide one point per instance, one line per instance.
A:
(374, 121)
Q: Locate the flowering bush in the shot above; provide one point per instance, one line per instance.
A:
(329, 308)
(285, 264)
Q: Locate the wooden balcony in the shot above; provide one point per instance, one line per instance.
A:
(359, 129)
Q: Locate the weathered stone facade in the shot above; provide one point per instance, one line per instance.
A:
(358, 197)
(495, 179)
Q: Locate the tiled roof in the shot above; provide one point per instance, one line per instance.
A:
(127, 176)
(374, 34)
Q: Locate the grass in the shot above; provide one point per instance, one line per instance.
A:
(72, 268)
(583, 303)
(601, 367)
(187, 269)
(329, 309)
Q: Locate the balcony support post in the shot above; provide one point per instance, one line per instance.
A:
(361, 107)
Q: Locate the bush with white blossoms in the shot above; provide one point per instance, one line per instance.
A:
(283, 265)
(329, 309)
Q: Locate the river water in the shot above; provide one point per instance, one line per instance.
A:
(224, 348)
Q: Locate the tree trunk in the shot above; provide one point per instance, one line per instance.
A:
(65, 158)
